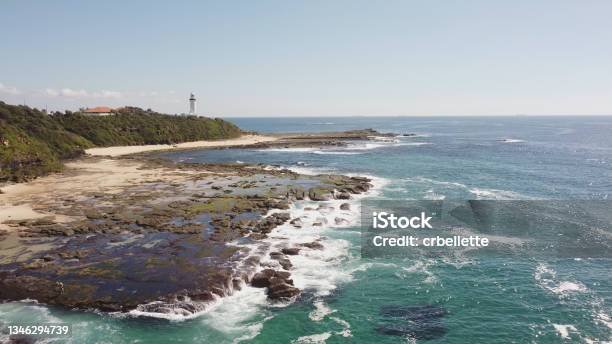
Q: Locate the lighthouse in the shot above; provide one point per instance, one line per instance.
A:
(192, 101)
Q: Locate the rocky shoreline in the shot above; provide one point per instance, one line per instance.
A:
(162, 243)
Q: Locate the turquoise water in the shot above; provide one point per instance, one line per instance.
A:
(451, 299)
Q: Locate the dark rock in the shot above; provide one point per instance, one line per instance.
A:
(48, 257)
(282, 260)
(270, 222)
(296, 192)
(263, 279)
(297, 222)
(35, 264)
(290, 251)
(93, 214)
(340, 221)
(345, 206)
(319, 193)
(315, 245)
(280, 291)
(343, 195)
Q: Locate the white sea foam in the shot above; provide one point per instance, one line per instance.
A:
(546, 278)
(420, 179)
(604, 319)
(319, 338)
(434, 196)
(483, 193)
(350, 149)
(346, 327)
(366, 266)
(498, 194)
(511, 140)
(564, 330)
(310, 150)
(422, 268)
(321, 311)
(567, 287)
(396, 143)
(234, 314)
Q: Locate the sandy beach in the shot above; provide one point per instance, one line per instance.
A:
(21, 201)
(125, 150)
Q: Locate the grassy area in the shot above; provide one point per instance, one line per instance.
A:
(33, 143)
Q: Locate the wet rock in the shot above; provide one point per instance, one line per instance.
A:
(282, 260)
(291, 251)
(297, 222)
(315, 245)
(343, 195)
(281, 290)
(278, 283)
(320, 221)
(45, 221)
(325, 209)
(93, 214)
(78, 254)
(319, 193)
(296, 192)
(340, 221)
(345, 206)
(203, 296)
(35, 264)
(270, 222)
(48, 257)
(263, 279)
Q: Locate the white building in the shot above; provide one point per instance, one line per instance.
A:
(192, 104)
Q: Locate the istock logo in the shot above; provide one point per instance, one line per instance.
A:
(384, 220)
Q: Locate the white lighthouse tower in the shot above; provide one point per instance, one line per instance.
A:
(192, 101)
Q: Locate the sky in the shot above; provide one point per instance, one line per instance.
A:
(311, 58)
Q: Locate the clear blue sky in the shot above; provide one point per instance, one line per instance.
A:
(291, 58)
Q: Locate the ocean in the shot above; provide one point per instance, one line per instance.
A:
(454, 299)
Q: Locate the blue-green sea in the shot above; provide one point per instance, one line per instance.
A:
(453, 299)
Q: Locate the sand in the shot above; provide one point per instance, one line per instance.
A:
(125, 150)
(24, 201)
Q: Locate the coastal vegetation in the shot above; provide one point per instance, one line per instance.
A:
(33, 143)
(135, 126)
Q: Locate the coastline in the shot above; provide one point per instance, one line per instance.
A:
(55, 227)
(244, 140)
